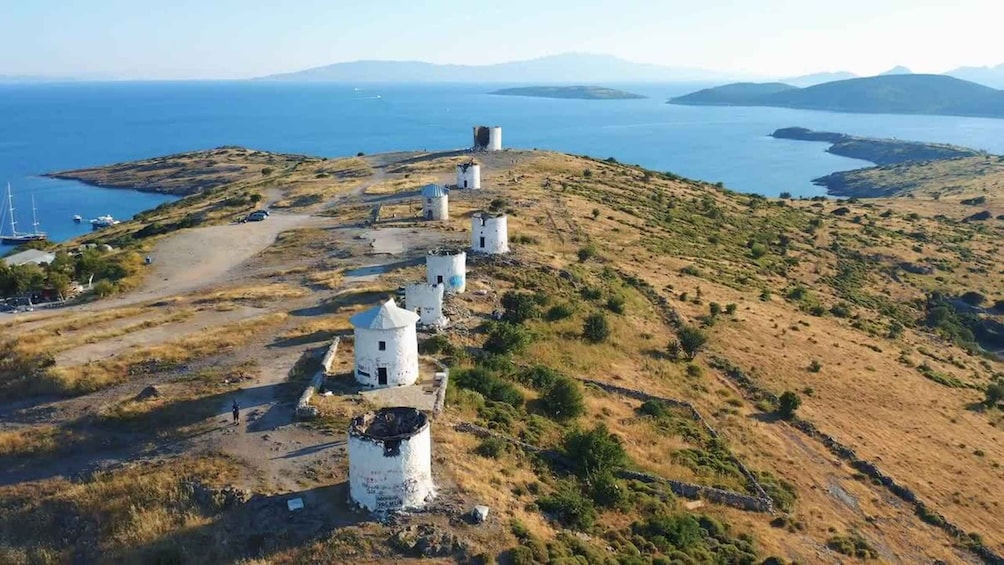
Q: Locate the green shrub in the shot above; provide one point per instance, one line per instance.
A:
(841, 310)
(694, 371)
(569, 506)
(594, 451)
(895, 330)
(504, 338)
(488, 384)
(104, 288)
(715, 461)
(715, 309)
(539, 377)
(758, 250)
(817, 310)
(730, 308)
(559, 312)
(563, 400)
(436, 344)
(519, 307)
(670, 532)
(787, 403)
(815, 366)
(524, 239)
(596, 328)
(692, 340)
(616, 304)
(994, 393)
(590, 293)
(491, 447)
(797, 293)
(973, 298)
(673, 349)
(606, 491)
(780, 491)
(852, 545)
(586, 252)
(521, 555)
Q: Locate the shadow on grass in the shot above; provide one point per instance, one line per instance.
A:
(311, 449)
(257, 529)
(230, 531)
(133, 430)
(657, 354)
(344, 300)
(767, 417)
(384, 198)
(311, 338)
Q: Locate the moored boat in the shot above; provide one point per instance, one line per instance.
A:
(16, 238)
(103, 222)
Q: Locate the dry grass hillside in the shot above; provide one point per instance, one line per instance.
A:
(881, 318)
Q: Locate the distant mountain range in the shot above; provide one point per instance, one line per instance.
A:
(884, 94)
(897, 70)
(990, 76)
(818, 78)
(565, 68)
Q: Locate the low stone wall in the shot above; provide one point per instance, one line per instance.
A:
(440, 386)
(752, 391)
(868, 468)
(329, 356)
(679, 488)
(719, 496)
(304, 410)
(751, 480)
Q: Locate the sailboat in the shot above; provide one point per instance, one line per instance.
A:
(16, 238)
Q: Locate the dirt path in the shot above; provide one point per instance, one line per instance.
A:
(204, 256)
(150, 336)
(268, 439)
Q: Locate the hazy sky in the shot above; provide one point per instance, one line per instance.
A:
(245, 38)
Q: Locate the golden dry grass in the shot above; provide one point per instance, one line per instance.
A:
(121, 511)
(32, 441)
(90, 377)
(250, 293)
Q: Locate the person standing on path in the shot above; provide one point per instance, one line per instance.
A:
(237, 412)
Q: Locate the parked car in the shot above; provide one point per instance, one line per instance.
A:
(257, 216)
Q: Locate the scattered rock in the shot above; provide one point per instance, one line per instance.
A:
(148, 393)
(916, 268)
(426, 540)
(215, 499)
(479, 514)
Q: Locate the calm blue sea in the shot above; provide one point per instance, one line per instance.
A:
(60, 126)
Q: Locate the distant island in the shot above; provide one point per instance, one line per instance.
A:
(878, 151)
(886, 94)
(577, 92)
(179, 175)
